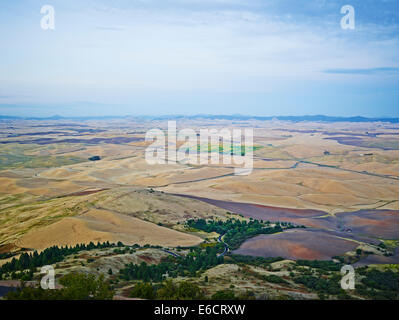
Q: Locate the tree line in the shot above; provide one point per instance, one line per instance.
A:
(31, 261)
(236, 231)
(184, 290)
(197, 259)
(75, 286)
(167, 290)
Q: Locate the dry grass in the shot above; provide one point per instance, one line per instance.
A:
(100, 226)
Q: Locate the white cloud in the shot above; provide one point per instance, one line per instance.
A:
(99, 51)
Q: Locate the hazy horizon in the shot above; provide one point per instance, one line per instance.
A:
(304, 117)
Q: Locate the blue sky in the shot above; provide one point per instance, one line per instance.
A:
(150, 57)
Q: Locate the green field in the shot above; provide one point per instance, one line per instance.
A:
(13, 161)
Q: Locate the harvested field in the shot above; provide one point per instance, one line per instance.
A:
(45, 141)
(260, 212)
(100, 226)
(376, 223)
(297, 244)
(384, 144)
(85, 192)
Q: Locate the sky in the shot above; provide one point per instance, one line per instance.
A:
(173, 57)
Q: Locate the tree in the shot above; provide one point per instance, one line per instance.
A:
(224, 295)
(184, 291)
(188, 291)
(167, 291)
(143, 290)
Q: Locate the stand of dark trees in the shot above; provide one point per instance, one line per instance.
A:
(197, 259)
(379, 285)
(237, 231)
(185, 290)
(31, 261)
(325, 265)
(252, 260)
(76, 286)
(167, 291)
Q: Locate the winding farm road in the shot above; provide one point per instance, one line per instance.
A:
(226, 247)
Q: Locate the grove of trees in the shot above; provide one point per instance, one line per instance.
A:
(75, 286)
(31, 261)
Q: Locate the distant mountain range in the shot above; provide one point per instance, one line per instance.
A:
(236, 117)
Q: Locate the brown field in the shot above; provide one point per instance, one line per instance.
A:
(297, 244)
(129, 215)
(100, 226)
(376, 223)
